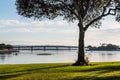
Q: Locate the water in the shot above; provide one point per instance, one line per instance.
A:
(103, 56)
(27, 57)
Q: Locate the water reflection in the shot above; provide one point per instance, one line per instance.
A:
(25, 57)
(15, 53)
(104, 56)
(4, 56)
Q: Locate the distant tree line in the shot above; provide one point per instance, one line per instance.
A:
(104, 46)
(5, 46)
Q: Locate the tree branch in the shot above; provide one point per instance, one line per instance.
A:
(87, 6)
(109, 12)
(72, 11)
(94, 20)
(99, 17)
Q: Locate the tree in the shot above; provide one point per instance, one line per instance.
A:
(104, 47)
(9, 47)
(4, 46)
(86, 12)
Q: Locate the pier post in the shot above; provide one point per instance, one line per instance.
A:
(31, 48)
(57, 48)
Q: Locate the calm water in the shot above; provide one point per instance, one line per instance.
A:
(26, 57)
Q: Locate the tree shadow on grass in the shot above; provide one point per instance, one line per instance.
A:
(8, 75)
(97, 78)
(98, 68)
(107, 68)
(101, 70)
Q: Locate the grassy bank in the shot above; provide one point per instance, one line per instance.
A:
(96, 71)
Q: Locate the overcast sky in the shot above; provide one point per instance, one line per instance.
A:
(17, 30)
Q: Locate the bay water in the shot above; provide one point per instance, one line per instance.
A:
(56, 56)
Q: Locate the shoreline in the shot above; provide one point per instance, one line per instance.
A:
(7, 51)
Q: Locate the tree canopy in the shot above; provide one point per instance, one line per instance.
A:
(89, 12)
(104, 47)
(5, 46)
(86, 12)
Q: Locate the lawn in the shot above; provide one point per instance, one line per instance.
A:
(61, 71)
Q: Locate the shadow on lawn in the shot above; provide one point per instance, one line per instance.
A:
(8, 75)
(98, 68)
(97, 78)
(101, 69)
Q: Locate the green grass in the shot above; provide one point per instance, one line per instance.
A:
(61, 71)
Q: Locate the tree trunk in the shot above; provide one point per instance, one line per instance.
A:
(81, 52)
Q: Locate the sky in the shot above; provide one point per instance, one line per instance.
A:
(18, 30)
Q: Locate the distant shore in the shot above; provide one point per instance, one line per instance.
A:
(7, 51)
